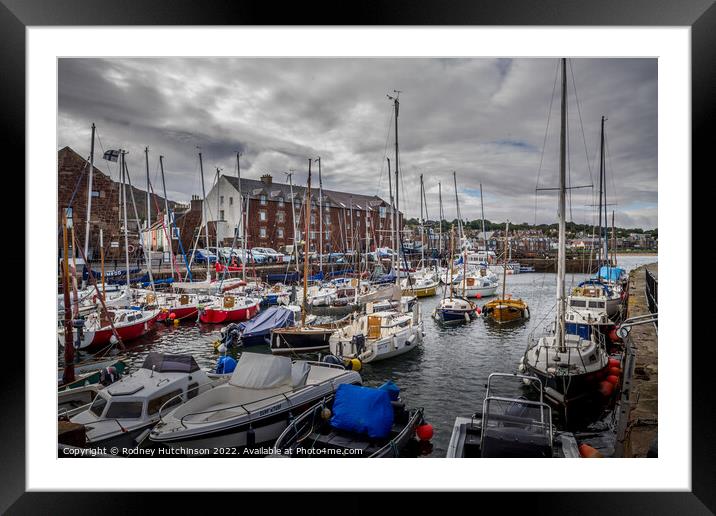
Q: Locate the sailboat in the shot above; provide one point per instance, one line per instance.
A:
(385, 333)
(422, 283)
(303, 338)
(454, 309)
(569, 366)
(506, 309)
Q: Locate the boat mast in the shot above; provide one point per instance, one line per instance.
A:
(206, 219)
(293, 215)
(504, 261)
(393, 261)
(240, 224)
(306, 248)
(68, 374)
(484, 233)
(396, 104)
(614, 240)
(320, 215)
(457, 207)
(124, 212)
(218, 210)
(440, 215)
(101, 259)
(149, 215)
(562, 213)
(169, 217)
(89, 198)
(601, 186)
(422, 229)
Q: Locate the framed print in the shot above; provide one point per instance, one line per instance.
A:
(426, 236)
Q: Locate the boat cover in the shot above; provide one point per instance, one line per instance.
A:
(225, 365)
(597, 283)
(260, 371)
(392, 389)
(363, 410)
(262, 324)
(610, 273)
(167, 363)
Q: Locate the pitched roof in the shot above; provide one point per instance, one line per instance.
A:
(256, 187)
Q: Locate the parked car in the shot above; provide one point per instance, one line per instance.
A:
(201, 255)
(272, 256)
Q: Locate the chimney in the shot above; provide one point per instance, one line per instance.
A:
(195, 203)
(266, 179)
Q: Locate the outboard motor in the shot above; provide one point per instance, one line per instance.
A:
(358, 342)
(108, 375)
(231, 335)
(78, 324)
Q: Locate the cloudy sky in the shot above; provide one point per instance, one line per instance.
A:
(489, 120)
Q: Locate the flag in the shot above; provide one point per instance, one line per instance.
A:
(111, 155)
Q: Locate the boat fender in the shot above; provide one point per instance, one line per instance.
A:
(589, 452)
(467, 317)
(113, 339)
(353, 364)
(250, 437)
(521, 368)
(424, 432)
(108, 375)
(606, 388)
(326, 413)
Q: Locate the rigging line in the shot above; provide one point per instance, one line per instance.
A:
(546, 130)
(101, 146)
(611, 168)
(385, 152)
(581, 123)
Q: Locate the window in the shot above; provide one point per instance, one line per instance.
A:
(280, 202)
(155, 404)
(576, 302)
(221, 200)
(262, 216)
(280, 216)
(279, 233)
(124, 410)
(192, 390)
(328, 235)
(262, 232)
(263, 200)
(313, 218)
(175, 233)
(95, 193)
(98, 406)
(231, 201)
(596, 304)
(221, 215)
(381, 211)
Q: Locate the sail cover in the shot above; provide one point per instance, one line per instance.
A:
(262, 324)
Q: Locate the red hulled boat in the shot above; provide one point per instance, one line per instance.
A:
(228, 308)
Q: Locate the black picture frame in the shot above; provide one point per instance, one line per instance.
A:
(16, 15)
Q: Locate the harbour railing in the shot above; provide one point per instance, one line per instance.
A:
(652, 290)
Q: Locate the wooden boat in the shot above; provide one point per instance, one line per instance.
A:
(506, 309)
(96, 331)
(305, 339)
(88, 374)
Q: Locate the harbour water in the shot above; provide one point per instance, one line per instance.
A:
(446, 375)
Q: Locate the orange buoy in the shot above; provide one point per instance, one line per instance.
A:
(613, 362)
(478, 295)
(615, 371)
(613, 379)
(589, 452)
(606, 388)
(613, 335)
(477, 310)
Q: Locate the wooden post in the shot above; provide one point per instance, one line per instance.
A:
(68, 374)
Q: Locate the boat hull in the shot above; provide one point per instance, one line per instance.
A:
(221, 315)
(300, 342)
(447, 316)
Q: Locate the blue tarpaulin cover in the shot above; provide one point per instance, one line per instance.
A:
(261, 325)
(363, 410)
(392, 389)
(611, 273)
(225, 364)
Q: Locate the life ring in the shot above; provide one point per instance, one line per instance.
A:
(130, 248)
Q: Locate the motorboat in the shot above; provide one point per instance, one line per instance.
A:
(229, 308)
(510, 427)
(354, 422)
(123, 412)
(379, 335)
(264, 393)
(419, 286)
(597, 295)
(97, 330)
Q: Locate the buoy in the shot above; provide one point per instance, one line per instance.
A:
(613, 379)
(477, 309)
(478, 295)
(613, 362)
(606, 388)
(113, 339)
(354, 364)
(613, 335)
(176, 322)
(521, 368)
(589, 452)
(326, 413)
(425, 432)
(615, 371)
(172, 316)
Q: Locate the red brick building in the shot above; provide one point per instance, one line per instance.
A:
(346, 216)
